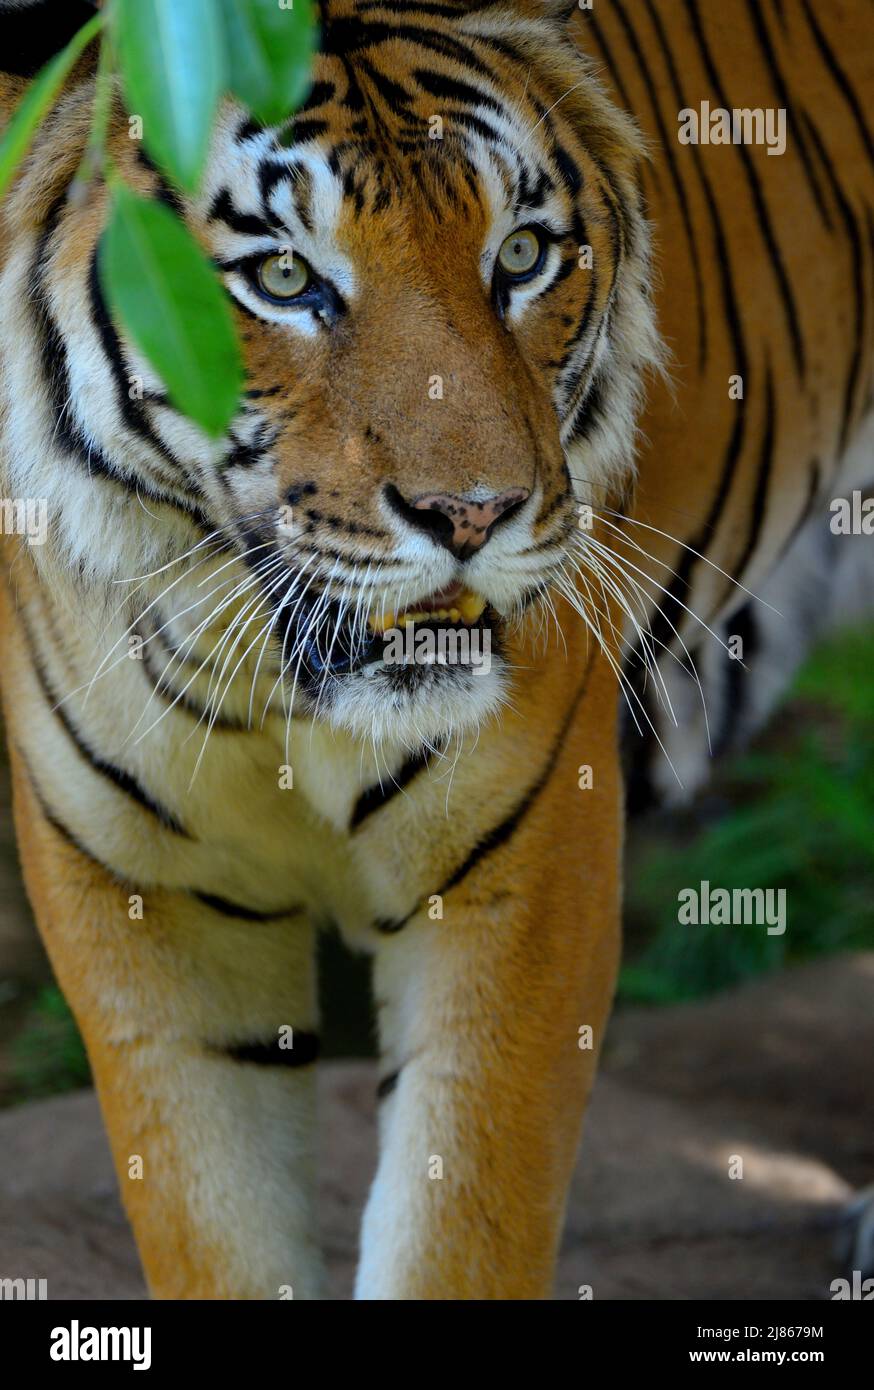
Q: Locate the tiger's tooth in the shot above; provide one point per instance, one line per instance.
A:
(381, 622)
(471, 606)
(468, 608)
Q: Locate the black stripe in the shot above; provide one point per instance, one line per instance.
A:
(302, 194)
(396, 97)
(247, 223)
(374, 798)
(165, 192)
(501, 833)
(565, 270)
(319, 93)
(387, 927)
(248, 129)
(222, 905)
(244, 914)
(673, 169)
(758, 22)
(859, 299)
(592, 409)
(66, 431)
(608, 59)
(569, 169)
(64, 831)
(789, 306)
(661, 630)
(346, 36)
(302, 130)
(572, 343)
(257, 392)
(122, 780)
(840, 79)
(303, 1053)
(387, 1084)
(343, 36)
(763, 478)
(466, 120)
(165, 690)
(53, 352)
(131, 411)
(814, 484)
(439, 84)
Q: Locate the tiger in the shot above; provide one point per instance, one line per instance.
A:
(521, 367)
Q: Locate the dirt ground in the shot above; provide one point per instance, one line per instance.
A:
(778, 1073)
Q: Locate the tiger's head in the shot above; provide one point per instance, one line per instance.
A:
(439, 269)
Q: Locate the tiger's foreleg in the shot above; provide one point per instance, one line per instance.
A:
(200, 1033)
(491, 1019)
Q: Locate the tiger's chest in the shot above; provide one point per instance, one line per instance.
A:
(276, 824)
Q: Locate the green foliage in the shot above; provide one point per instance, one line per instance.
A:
(173, 67)
(161, 285)
(175, 58)
(38, 101)
(803, 820)
(270, 54)
(48, 1056)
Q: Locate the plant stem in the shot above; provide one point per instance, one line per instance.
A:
(93, 160)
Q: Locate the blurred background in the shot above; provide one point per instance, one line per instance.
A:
(726, 1043)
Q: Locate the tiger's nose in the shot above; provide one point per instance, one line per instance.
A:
(459, 523)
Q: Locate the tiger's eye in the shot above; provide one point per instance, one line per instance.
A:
(520, 253)
(283, 276)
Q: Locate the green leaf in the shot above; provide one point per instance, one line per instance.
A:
(167, 295)
(270, 52)
(38, 99)
(172, 60)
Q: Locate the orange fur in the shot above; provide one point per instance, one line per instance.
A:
(481, 1006)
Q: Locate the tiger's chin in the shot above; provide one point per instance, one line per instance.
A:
(420, 677)
(416, 704)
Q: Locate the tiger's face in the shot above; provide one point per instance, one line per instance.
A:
(439, 272)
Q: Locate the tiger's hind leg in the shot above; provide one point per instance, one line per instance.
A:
(822, 581)
(210, 1119)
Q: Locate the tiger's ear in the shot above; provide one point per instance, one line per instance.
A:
(558, 12)
(33, 31)
(561, 9)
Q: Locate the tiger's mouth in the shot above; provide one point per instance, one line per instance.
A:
(338, 647)
(455, 607)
